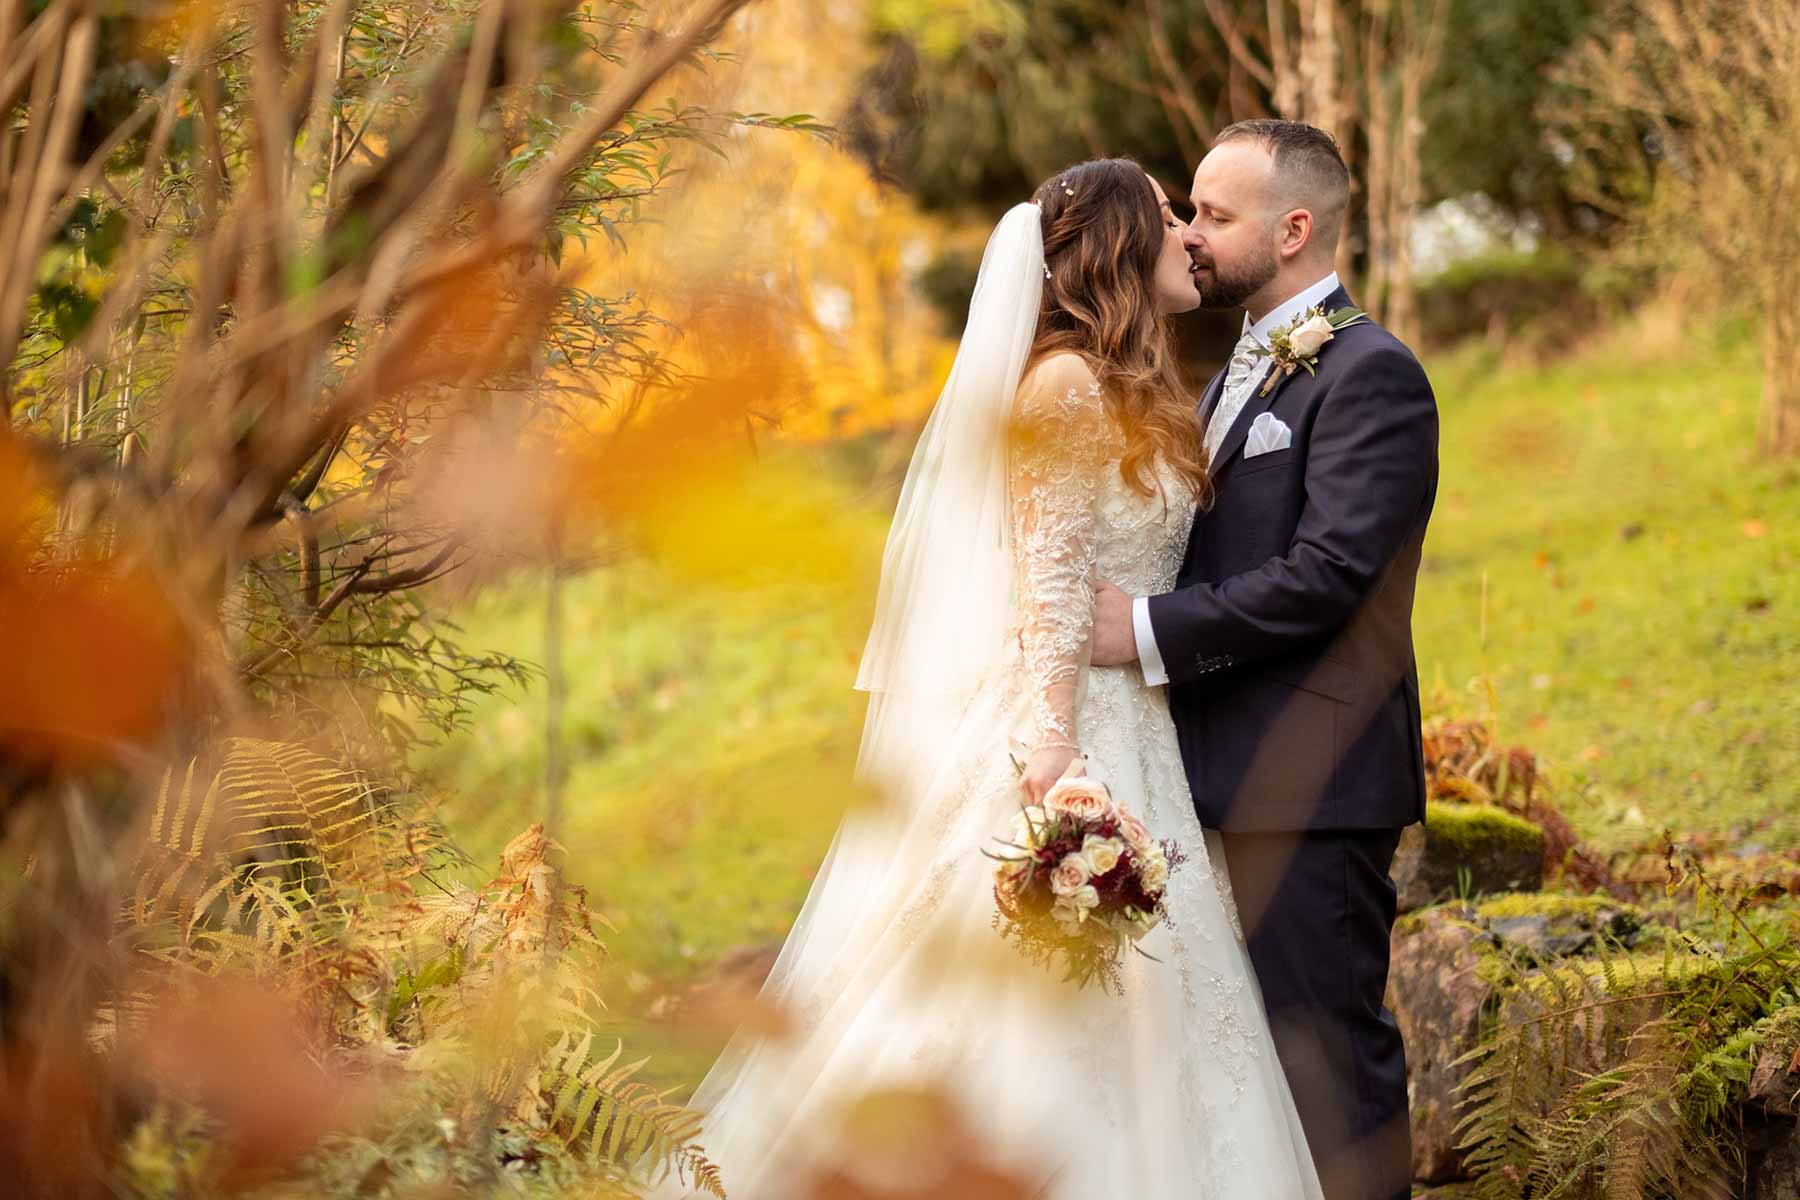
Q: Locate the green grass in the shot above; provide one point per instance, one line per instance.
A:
(1634, 633)
(709, 738)
(1639, 568)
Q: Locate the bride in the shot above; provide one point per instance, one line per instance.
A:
(1061, 447)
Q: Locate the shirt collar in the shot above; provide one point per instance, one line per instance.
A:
(1291, 309)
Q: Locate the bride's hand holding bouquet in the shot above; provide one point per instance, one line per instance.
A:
(1046, 766)
(1079, 880)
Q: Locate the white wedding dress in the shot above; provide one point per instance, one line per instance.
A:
(894, 976)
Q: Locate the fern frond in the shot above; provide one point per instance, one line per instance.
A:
(601, 1110)
(296, 814)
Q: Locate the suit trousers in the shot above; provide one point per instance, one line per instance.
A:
(1318, 910)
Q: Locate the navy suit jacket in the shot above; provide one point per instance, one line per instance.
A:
(1288, 637)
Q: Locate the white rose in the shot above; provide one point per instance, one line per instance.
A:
(1085, 899)
(1102, 854)
(1311, 336)
(1025, 826)
(1070, 875)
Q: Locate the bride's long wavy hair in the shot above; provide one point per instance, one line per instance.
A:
(1103, 233)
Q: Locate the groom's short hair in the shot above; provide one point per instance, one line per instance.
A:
(1309, 169)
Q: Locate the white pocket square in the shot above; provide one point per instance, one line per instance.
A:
(1268, 432)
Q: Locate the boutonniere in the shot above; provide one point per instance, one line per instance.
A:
(1298, 344)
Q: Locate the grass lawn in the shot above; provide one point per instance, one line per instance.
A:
(1641, 629)
(1641, 573)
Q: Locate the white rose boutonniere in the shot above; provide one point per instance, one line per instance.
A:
(1311, 336)
(1298, 344)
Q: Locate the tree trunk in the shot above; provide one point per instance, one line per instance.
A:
(1285, 93)
(1378, 163)
(1422, 34)
(1320, 67)
(1323, 101)
(1403, 295)
(1780, 433)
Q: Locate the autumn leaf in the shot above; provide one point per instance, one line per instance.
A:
(90, 646)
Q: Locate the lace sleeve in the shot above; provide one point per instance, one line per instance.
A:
(1057, 452)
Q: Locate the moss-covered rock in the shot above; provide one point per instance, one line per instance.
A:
(1772, 1114)
(1473, 849)
(1545, 925)
(1775, 1084)
(1557, 906)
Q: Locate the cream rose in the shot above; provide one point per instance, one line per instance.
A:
(1311, 336)
(1154, 872)
(1069, 877)
(1137, 835)
(1101, 854)
(1085, 898)
(1068, 916)
(1025, 823)
(1082, 798)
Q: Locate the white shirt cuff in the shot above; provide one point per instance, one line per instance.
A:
(1149, 657)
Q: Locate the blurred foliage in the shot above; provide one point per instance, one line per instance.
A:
(973, 104)
(1545, 297)
(405, 986)
(292, 340)
(331, 606)
(1682, 119)
(1486, 125)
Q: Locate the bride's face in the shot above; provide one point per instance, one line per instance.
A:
(1174, 285)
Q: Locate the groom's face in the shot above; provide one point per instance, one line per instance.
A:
(1233, 238)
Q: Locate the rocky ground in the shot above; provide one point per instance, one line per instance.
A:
(1481, 941)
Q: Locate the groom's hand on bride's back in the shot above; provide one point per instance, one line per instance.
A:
(1114, 642)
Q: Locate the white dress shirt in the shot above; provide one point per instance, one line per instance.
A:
(1231, 403)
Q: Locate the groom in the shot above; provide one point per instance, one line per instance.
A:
(1287, 642)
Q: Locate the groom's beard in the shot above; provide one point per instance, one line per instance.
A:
(1227, 288)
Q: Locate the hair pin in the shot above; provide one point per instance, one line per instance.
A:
(1046, 271)
(1067, 190)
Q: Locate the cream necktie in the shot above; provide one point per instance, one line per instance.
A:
(1240, 375)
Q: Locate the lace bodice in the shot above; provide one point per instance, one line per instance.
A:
(1075, 518)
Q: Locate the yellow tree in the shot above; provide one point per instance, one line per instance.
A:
(797, 230)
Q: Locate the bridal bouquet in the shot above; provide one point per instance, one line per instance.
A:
(1080, 881)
